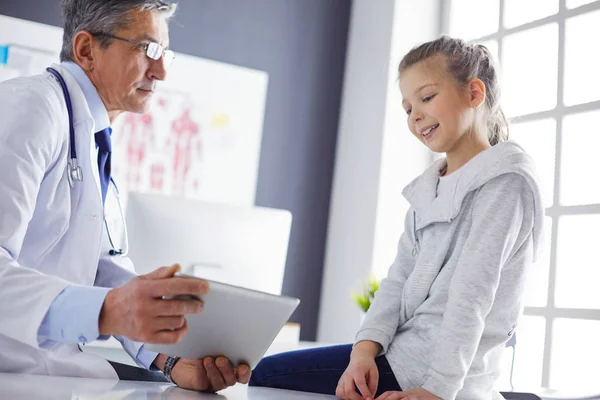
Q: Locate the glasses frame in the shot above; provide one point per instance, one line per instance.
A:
(153, 50)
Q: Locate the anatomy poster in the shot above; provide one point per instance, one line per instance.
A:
(202, 136)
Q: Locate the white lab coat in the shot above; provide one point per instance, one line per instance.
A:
(51, 235)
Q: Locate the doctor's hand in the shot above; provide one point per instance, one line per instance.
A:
(361, 373)
(138, 311)
(208, 374)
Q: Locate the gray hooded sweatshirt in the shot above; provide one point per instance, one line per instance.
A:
(453, 295)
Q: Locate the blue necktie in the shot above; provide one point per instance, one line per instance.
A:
(104, 149)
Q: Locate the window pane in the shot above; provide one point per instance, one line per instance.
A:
(539, 140)
(582, 82)
(577, 3)
(575, 355)
(518, 12)
(529, 355)
(470, 19)
(580, 141)
(529, 69)
(536, 286)
(577, 263)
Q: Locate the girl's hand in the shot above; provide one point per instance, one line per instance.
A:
(415, 394)
(361, 373)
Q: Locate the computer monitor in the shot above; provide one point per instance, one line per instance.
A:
(242, 246)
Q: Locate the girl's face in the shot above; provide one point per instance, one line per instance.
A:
(440, 114)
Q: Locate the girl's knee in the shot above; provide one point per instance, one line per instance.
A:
(262, 369)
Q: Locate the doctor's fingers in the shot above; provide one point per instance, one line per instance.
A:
(162, 272)
(243, 373)
(226, 370)
(217, 381)
(167, 336)
(175, 307)
(176, 287)
(166, 323)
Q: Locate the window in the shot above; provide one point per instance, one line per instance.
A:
(551, 94)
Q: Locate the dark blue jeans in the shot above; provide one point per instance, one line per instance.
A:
(315, 370)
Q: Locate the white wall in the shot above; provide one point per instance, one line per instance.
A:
(403, 156)
(376, 155)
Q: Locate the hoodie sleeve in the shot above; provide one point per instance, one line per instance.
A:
(385, 316)
(501, 225)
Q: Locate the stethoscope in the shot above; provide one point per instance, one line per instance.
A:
(74, 173)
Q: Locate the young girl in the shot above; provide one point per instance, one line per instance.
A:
(440, 320)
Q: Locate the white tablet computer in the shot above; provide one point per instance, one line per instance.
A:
(237, 323)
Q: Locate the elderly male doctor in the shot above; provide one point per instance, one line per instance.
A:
(57, 271)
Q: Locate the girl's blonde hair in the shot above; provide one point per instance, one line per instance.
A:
(466, 61)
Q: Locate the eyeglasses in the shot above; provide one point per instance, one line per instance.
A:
(153, 50)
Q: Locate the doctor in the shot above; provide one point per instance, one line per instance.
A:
(61, 282)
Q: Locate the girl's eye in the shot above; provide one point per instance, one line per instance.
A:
(408, 112)
(428, 98)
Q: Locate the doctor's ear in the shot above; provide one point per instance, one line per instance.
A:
(83, 53)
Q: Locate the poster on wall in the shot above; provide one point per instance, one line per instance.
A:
(201, 138)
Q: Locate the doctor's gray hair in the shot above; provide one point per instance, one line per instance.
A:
(107, 16)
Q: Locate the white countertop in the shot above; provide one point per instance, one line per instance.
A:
(33, 387)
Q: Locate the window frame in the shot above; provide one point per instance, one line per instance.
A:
(555, 211)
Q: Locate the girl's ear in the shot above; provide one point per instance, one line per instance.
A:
(477, 90)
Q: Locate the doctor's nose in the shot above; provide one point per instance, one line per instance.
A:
(157, 70)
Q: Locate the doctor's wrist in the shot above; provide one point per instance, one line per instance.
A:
(159, 361)
(106, 318)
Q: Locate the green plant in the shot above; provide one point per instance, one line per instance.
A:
(364, 299)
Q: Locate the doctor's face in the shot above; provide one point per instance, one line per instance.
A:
(123, 74)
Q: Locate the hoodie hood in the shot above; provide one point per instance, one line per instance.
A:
(504, 158)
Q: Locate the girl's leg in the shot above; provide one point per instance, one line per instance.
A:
(314, 370)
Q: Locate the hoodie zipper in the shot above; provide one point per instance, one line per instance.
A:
(417, 246)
